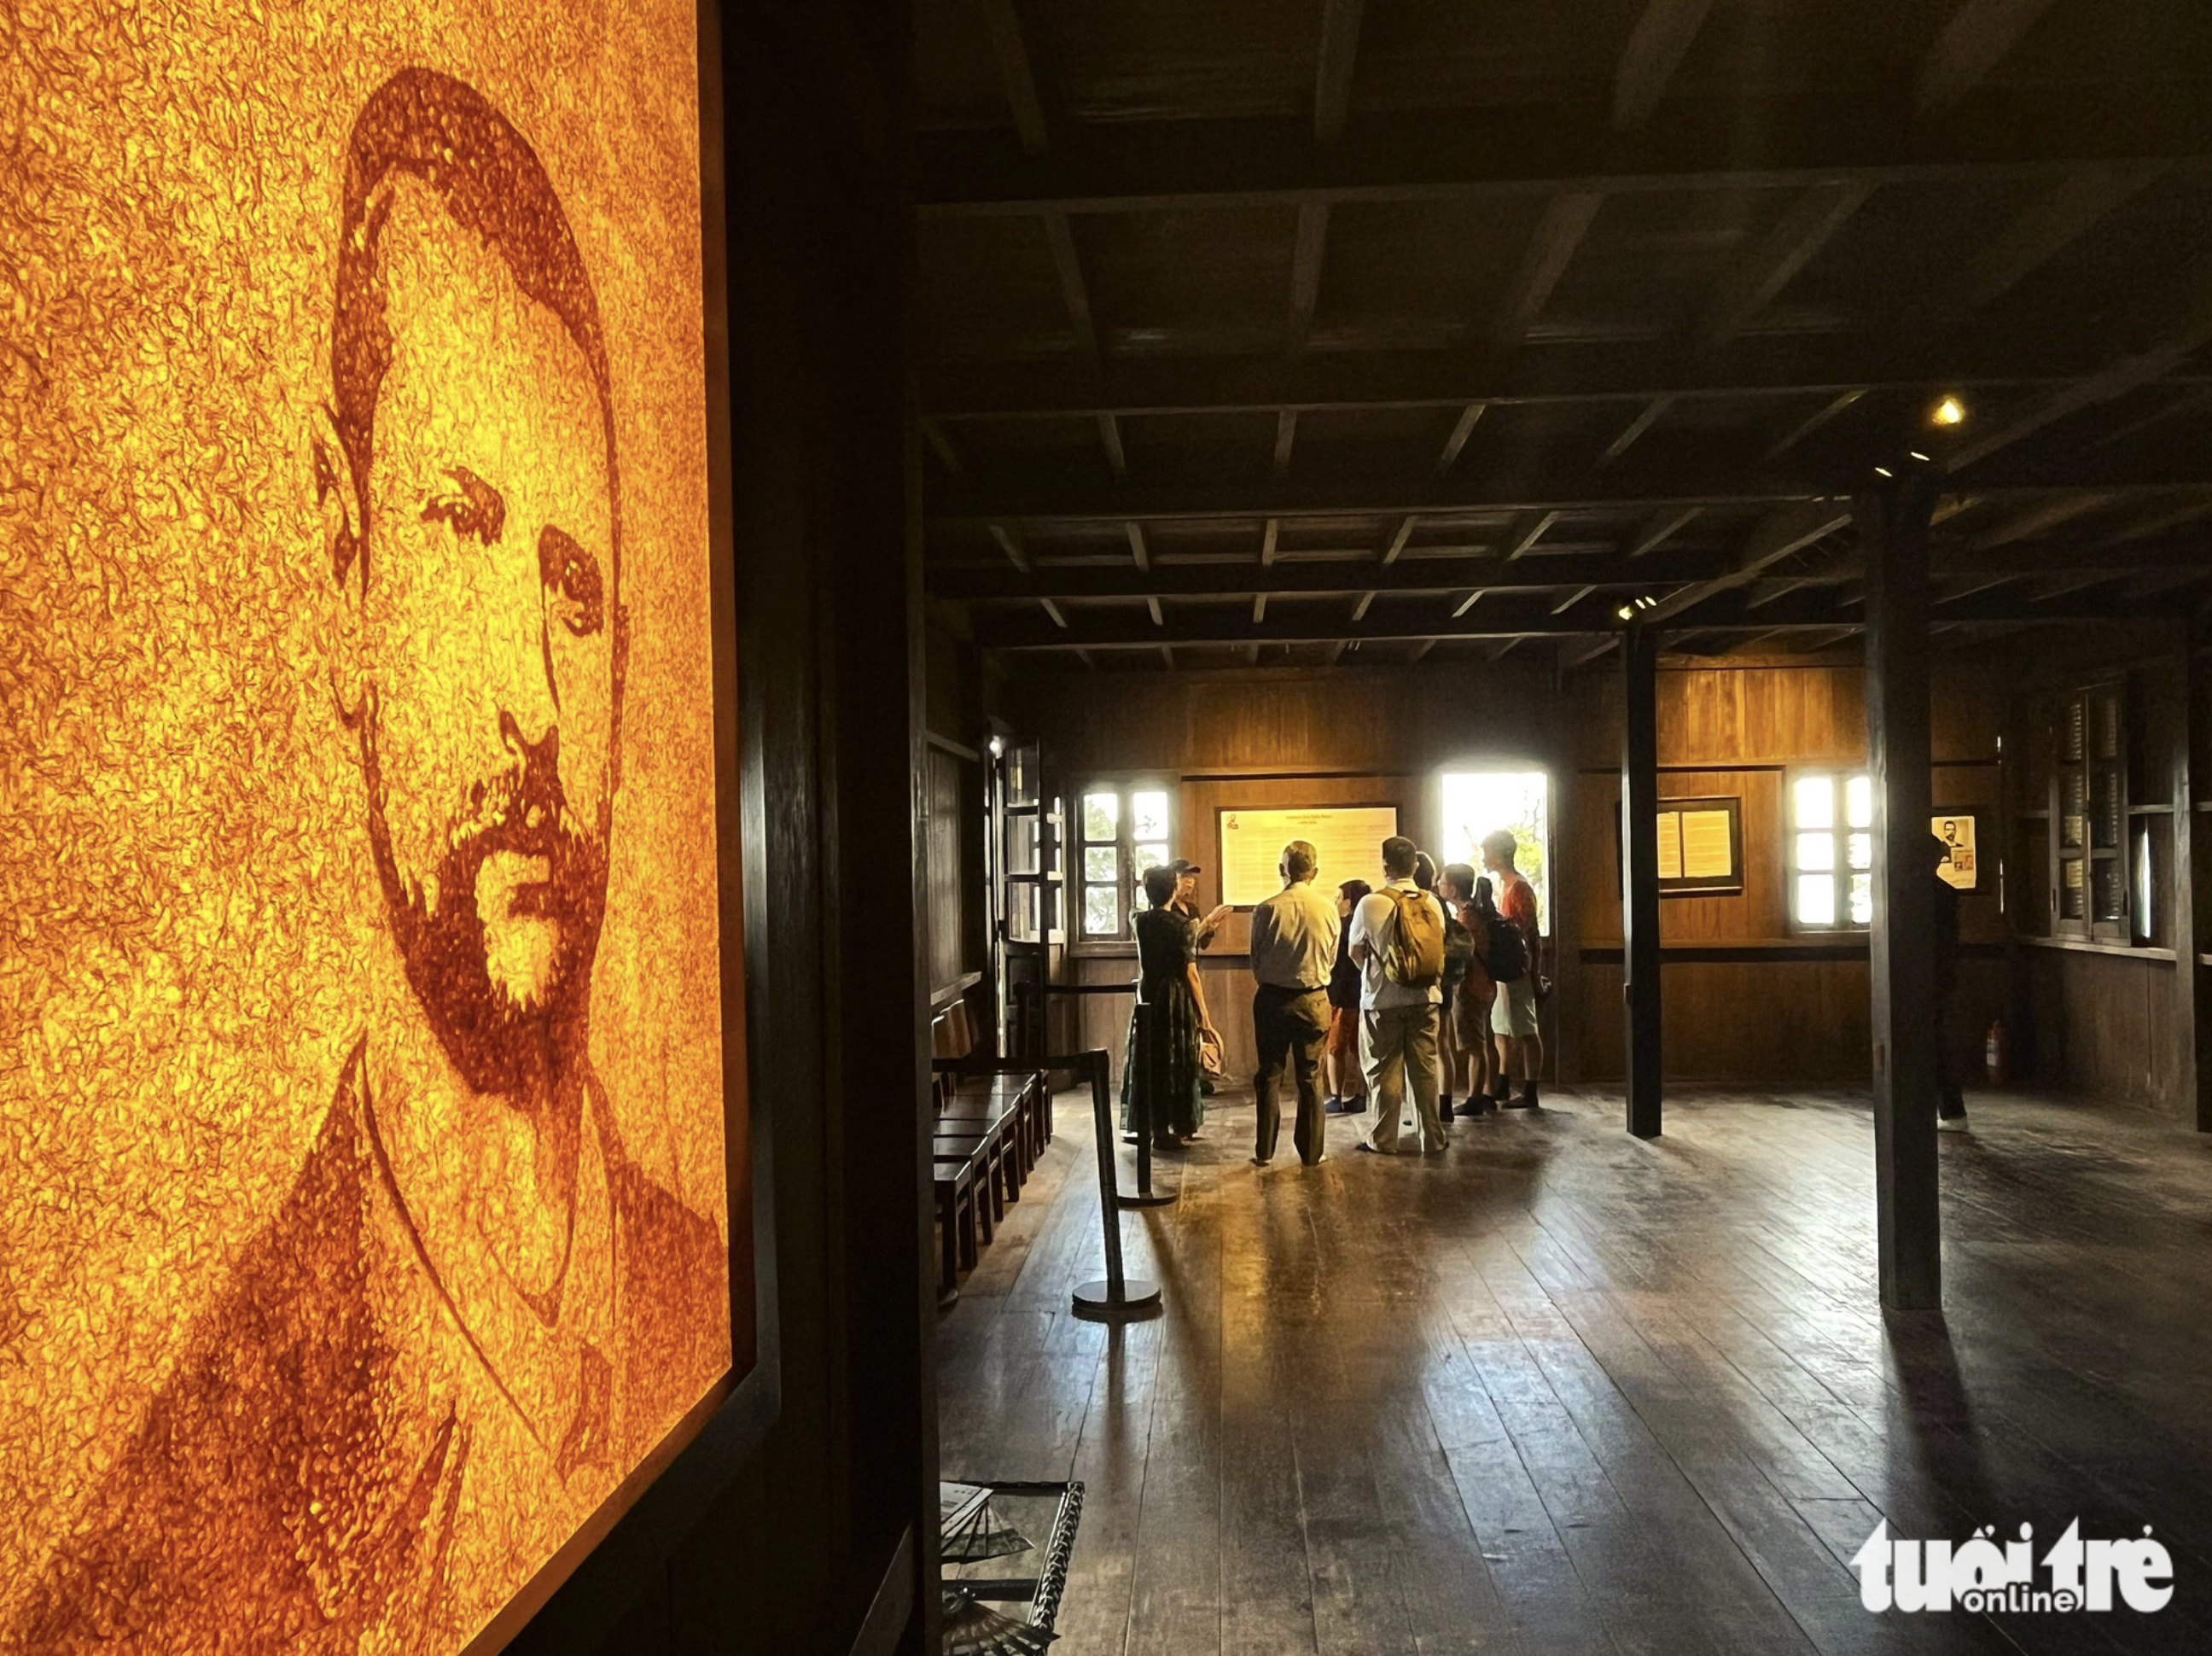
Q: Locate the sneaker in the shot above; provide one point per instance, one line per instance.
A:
(1952, 1124)
(1345, 1107)
(1524, 1101)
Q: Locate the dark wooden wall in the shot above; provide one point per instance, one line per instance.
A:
(829, 1525)
(1746, 1001)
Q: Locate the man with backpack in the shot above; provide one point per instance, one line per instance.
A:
(1398, 940)
(1516, 963)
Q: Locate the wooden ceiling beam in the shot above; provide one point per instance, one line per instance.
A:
(1016, 74)
(1566, 220)
(1980, 36)
(2183, 337)
(1659, 528)
(1802, 231)
(1805, 428)
(1287, 434)
(1784, 531)
(1580, 652)
(1306, 257)
(1524, 486)
(1842, 368)
(1397, 546)
(1463, 429)
(1333, 67)
(2081, 198)
(1531, 527)
(1011, 547)
(1109, 438)
(1545, 150)
(1525, 617)
(1656, 49)
(2040, 518)
(1647, 417)
(1074, 291)
(940, 443)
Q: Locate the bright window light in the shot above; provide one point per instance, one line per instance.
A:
(1858, 801)
(1831, 861)
(1814, 801)
(1816, 900)
(1478, 802)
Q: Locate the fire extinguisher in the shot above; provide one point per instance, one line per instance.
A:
(1996, 1054)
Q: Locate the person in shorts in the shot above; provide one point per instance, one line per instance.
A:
(1514, 1015)
(1347, 1087)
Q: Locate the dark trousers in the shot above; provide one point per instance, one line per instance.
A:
(1290, 1027)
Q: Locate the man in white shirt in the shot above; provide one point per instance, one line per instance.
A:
(1293, 948)
(1397, 1020)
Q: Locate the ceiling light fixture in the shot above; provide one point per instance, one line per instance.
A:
(1949, 411)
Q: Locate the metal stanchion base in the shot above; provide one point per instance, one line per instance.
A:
(1139, 1298)
(1146, 1199)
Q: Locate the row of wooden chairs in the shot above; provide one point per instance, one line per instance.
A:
(993, 1121)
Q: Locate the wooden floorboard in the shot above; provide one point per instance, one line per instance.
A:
(1560, 1391)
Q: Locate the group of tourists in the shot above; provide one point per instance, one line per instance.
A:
(1427, 983)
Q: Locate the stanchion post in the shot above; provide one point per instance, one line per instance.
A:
(1116, 1295)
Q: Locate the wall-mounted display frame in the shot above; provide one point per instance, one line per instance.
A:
(385, 1228)
(1965, 868)
(1347, 840)
(1700, 846)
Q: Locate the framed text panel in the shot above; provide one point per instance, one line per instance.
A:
(1347, 838)
(377, 1215)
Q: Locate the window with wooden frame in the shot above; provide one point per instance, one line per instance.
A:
(2089, 871)
(1121, 829)
(1831, 850)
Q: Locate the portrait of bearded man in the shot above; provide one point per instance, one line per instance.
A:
(473, 1314)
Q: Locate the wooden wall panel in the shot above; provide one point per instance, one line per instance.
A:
(2104, 1023)
(950, 779)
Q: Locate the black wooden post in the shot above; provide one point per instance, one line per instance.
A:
(1640, 874)
(1893, 524)
(2193, 1066)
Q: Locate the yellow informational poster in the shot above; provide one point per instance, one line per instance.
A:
(1670, 845)
(1708, 845)
(365, 1216)
(1347, 840)
(1959, 868)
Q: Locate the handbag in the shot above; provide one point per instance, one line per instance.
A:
(1209, 1052)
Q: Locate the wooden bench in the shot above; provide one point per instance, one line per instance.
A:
(991, 1124)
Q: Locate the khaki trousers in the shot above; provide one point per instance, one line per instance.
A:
(1398, 1046)
(1291, 1026)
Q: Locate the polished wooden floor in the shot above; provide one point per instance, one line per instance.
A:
(1559, 1391)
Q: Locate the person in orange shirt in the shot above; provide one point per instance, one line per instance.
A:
(1514, 1016)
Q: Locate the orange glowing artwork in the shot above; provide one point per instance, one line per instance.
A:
(367, 1189)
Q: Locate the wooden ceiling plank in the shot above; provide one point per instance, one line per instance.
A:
(1139, 553)
(1287, 434)
(2190, 402)
(1268, 544)
(1566, 220)
(1420, 650)
(1016, 74)
(1660, 527)
(1059, 620)
(2157, 519)
(1469, 602)
(1359, 610)
(1259, 608)
(1503, 647)
(1334, 65)
(1805, 428)
(1661, 39)
(1159, 616)
(1980, 36)
(1571, 599)
(1802, 231)
(1463, 429)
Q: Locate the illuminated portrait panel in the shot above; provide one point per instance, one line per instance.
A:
(373, 1210)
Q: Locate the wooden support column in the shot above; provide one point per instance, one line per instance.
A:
(1639, 874)
(2193, 1065)
(1893, 524)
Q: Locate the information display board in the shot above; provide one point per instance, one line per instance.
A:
(1961, 869)
(1699, 846)
(1347, 840)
